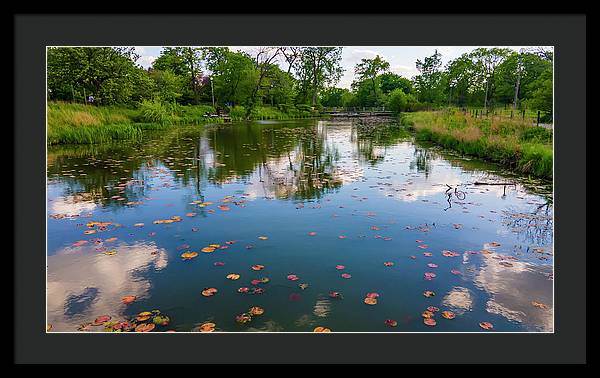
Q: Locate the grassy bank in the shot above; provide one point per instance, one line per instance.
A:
(518, 145)
(80, 124)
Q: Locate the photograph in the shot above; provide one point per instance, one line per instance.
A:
(308, 188)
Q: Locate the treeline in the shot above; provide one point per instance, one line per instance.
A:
(484, 77)
(296, 80)
(238, 81)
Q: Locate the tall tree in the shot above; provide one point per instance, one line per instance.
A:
(369, 69)
(264, 59)
(110, 74)
(488, 61)
(183, 61)
(233, 74)
(428, 81)
(319, 67)
(461, 79)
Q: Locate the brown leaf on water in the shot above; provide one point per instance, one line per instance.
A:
(539, 305)
(128, 299)
(145, 327)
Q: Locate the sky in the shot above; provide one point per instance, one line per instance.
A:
(401, 58)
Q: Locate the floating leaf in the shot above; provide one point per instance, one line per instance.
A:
(209, 292)
(486, 325)
(138, 225)
(428, 293)
(429, 322)
(189, 255)
(370, 301)
(321, 329)
(233, 276)
(255, 311)
(448, 314)
(449, 253)
(335, 294)
(161, 320)
(346, 275)
(243, 318)
(388, 263)
(539, 305)
(143, 316)
(207, 327)
(340, 267)
(303, 286)
(145, 327)
(263, 237)
(208, 249)
(101, 320)
(293, 277)
(391, 322)
(258, 267)
(312, 233)
(128, 299)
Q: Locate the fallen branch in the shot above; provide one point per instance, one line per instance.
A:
(493, 183)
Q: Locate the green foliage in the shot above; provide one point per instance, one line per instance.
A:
(317, 68)
(390, 81)
(156, 112)
(398, 101)
(427, 83)
(168, 86)
(508, 142)
(109, 74)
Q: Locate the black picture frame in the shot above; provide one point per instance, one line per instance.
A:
(32, 33)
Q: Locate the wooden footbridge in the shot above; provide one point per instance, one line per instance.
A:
(357, 112)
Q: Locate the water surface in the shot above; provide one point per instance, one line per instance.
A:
(324, 194)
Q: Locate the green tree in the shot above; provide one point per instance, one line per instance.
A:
(233, 74)
(169, 87)
(461, 79)
(428, 82)
(184, 62)
(368, 70)
(390, 81)
(487, 61)
(317, 68)
(109, 74)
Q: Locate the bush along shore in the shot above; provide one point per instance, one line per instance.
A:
(71, 123)
(521, 146)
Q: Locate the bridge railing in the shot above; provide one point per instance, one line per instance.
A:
(356, 109)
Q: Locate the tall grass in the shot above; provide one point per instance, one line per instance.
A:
(69, 123)
(85, 124)
(519, 145)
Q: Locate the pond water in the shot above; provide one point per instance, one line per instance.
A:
(333, 211)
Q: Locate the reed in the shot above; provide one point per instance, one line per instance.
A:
(514, 143)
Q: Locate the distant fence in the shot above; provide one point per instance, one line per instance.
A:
(535, 117)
